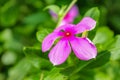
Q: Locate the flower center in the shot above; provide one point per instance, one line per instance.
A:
(67, 34)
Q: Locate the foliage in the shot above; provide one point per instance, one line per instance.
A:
(25, 23)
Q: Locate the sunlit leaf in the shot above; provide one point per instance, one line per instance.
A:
(20, 70)
(103, 38)
(55, 75)
(103, 35)
(53, 8)
(9, 58)
(115, 48)
(42, 33)
(93, 13)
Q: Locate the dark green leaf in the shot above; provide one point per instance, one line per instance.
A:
(102, 58)
(50, 1)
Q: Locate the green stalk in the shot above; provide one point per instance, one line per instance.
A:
(41, 76)
(85, 34)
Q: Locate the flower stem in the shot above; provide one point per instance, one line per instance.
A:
(63, 15)
(84, 34)
(41, 76)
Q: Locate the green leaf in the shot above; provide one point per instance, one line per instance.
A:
(33, 76)
(115, 48)
(50, 1)
(53, 8)
(103, 38)
(32, 51)
(93, 13)
(20, 70)
(55, 75)
(42, 33)
(9, 14)
(36, 18)
(103, 35)
(114, 20)
(6, 35)
(103, 76)
(9, 58)
(62, 2)
(37, 58)
(102, 58)
(24, 30)
(85, 75)
(2, 76)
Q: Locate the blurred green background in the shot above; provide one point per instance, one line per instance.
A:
(20, 51)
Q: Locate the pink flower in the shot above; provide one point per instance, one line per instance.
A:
(70, 16)
(83, 48)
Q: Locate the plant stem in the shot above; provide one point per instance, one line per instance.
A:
(69, 7)
(41, 76)
(85, 34)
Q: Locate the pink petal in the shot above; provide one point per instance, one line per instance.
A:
(74, 11)
(86, 24)
(48, 41)
(65, 27)
(71, 15)
(83, 48)
(60, 52)
(63, 22)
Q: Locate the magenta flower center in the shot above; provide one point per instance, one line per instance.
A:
(67, 34)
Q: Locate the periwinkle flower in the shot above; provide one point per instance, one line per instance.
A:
(83, 48)
(69, 17)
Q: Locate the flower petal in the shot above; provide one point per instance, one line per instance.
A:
(70, 16)
(60, 52)
(48, 41)
(65, 27)
(63, 22)
(83, 48)
(74, 11)
(86, 24)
